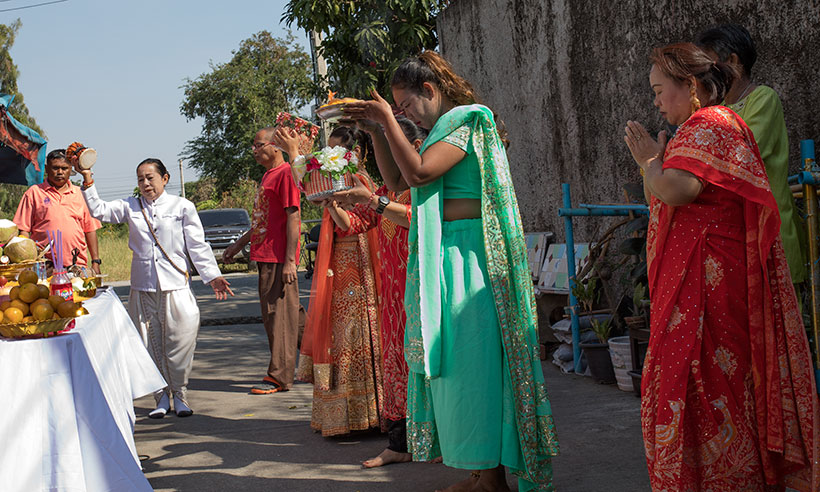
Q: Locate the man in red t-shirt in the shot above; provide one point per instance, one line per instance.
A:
(274, 237)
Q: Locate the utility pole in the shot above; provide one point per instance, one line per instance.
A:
(181, 179)
(319, 74)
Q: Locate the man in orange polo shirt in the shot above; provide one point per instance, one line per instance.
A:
(56, 204)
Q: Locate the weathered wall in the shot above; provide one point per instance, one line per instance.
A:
(566, 75)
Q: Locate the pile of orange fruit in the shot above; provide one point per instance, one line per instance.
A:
(30, 302)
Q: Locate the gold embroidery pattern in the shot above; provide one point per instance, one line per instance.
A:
(348, 395)
(714, 271)
(676, 318)
(725, 359)
(460, 138)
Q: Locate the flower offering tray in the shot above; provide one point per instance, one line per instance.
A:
(318, 185)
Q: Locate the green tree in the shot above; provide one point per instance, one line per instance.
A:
(235, 99)
(9, 74)
(364, 41)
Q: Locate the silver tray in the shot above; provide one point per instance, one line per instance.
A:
(331, 114)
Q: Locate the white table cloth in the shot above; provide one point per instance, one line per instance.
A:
(66, 405)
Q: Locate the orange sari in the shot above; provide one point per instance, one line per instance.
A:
(729, 400)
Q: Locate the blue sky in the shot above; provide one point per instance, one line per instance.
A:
(108, 73)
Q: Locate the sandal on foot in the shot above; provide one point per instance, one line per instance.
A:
(268, 386)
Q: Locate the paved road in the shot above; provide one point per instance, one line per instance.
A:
(243, 442)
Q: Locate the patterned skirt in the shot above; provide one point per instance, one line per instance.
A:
(355, 398)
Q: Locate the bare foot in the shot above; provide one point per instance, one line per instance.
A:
(436, 460)
(462, 486)
(386, 457)
(493, 480)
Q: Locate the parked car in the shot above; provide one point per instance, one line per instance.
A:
(222, 227)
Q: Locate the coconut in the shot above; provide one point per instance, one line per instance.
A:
(20, 249)
(8, 230)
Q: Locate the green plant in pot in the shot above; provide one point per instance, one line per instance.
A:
(586, 294)
(598, 357)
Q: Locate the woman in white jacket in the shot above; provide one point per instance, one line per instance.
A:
(161, 229)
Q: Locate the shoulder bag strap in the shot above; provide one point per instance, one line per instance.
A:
(151, 230)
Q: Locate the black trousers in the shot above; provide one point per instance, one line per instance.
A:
(397, 435)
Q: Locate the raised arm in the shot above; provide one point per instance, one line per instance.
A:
(417, 170)
(384, 158)
(114, 212)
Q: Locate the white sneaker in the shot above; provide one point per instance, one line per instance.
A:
(163, 407)
(181, 408)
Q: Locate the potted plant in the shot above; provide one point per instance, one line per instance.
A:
(597, 353)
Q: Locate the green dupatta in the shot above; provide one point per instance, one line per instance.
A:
(509, 276)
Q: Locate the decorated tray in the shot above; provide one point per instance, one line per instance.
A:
(333, 110)
(10, 270)
(319, 186)
(40, 329)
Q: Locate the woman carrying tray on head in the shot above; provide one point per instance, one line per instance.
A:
(162, 229)
(471, 319)
(341, 346)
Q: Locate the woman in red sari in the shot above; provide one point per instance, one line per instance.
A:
(729, 401)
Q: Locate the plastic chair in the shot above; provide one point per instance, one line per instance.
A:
(311, 240)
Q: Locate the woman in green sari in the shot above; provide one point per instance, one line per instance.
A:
(476, 393)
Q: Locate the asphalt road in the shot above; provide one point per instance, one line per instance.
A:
(238, 441)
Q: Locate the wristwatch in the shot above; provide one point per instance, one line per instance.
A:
(97, 261)
(383, 203)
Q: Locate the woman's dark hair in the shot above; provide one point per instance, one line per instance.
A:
(411, 130)
(432, 68)
(352, 137)
(158, 164)
(682, 61)
(726, 39)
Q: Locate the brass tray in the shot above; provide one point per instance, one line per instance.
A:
(39, 329)
(11, 270)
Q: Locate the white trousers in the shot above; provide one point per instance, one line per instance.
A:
(168, 322)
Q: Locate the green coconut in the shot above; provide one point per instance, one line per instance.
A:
(20, 249)
(8, 230)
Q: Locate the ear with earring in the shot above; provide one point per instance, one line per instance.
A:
(694, 102)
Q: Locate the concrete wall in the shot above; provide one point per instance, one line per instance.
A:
(565, 75)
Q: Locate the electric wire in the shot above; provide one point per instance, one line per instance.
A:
(32, 6)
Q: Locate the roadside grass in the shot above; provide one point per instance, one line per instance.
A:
(116, 256)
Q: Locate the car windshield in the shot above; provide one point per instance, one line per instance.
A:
(212, 218)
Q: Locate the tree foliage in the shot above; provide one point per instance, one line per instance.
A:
(9, 74)
(364, 41)
(266, 75)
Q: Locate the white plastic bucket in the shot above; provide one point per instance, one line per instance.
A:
(621, 361)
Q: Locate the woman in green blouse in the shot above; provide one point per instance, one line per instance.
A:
(760, 107)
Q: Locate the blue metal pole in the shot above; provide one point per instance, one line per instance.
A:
(597, 212)
(813, 226)
(632, 207)
(573, 302)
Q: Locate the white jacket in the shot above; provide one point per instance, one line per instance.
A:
(176, 225)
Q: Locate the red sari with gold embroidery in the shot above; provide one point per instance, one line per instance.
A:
(393, 253)
(729, 401)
